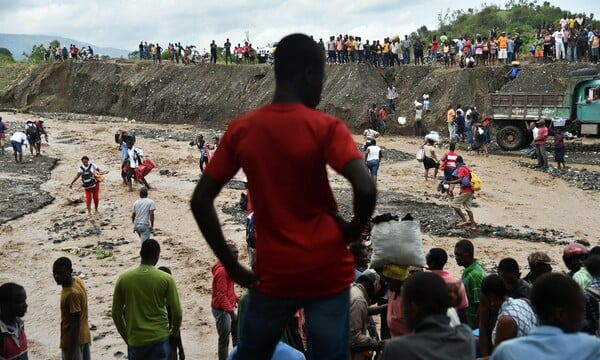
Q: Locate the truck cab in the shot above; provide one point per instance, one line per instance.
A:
(579, 105)
(588, 107)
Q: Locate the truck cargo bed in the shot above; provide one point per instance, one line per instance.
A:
(528, 106)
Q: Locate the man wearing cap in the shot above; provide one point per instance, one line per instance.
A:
(540, 144)
(362, 294)
(502, 47)
(539, 264)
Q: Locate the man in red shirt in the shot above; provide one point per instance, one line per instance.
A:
(302, 258)
(382, 120)
(540, 144)
(223, 305)
(465, 197)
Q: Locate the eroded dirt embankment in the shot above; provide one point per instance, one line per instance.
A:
(209, 96)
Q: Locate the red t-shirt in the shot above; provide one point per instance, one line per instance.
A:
(464, 171)
(383, 115)
(284, 150)
(543, 135)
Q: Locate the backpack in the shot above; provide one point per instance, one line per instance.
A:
(32, 131)
(475, 182)
(88, 178)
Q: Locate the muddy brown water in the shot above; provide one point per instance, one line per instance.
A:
(519, 210)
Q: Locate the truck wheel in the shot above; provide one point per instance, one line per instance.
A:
(510, 138)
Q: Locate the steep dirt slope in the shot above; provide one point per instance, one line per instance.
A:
(209, 95)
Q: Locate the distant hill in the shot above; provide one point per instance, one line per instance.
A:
(18, 43)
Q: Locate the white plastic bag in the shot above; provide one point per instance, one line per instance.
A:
(397, 242)
(433, 135)
(420, 154)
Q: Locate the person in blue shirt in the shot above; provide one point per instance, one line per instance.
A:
(559, 304)
(514, 71)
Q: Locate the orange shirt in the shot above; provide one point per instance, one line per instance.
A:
(451, 116)
(502, 42)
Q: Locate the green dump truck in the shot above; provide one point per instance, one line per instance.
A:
(579, 106)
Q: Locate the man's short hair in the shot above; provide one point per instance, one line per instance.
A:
(294, 54)
(452, 146)
(592, 265)
(63, 262)
(495, 285)
(150, 248)
(509, 265)
(551, 291)
(428, 290)
(143, 192)
(7, 293)
(439, 256)
(465, 245)
(85, 158)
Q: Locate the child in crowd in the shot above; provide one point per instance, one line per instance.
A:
(559, 147)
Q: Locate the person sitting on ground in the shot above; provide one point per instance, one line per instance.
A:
(583, 277)
(574, 256)
(465, 197)
(592, 297)
(430, 160)
(515, 318)
(559, 304)
(363, 293)
(13, 306)
(426, 299)
(539, 264)
(436, 260)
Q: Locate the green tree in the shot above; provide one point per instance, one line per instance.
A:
(54, 44)
(6, 56)
(37, 53)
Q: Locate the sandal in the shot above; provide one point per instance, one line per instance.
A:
(473, 227)
(463, 223)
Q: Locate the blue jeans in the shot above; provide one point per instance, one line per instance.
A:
(143, 231)
(159, 350)
(327, 325)
(373, 166)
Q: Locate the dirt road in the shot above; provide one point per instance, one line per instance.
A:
(520, 210)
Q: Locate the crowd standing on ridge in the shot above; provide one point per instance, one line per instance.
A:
(316, 299)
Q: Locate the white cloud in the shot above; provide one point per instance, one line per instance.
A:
(123, 23)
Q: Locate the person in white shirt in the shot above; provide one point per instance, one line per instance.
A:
(142, 215)
(559, 45)
(372, 158)
(17, 140)
(392, 95)
(134, 157)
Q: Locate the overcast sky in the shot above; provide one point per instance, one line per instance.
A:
(123, 23)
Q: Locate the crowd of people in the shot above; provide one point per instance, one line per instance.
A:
(58, 54)
(317, 295)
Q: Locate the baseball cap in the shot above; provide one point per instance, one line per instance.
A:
(538, 257)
